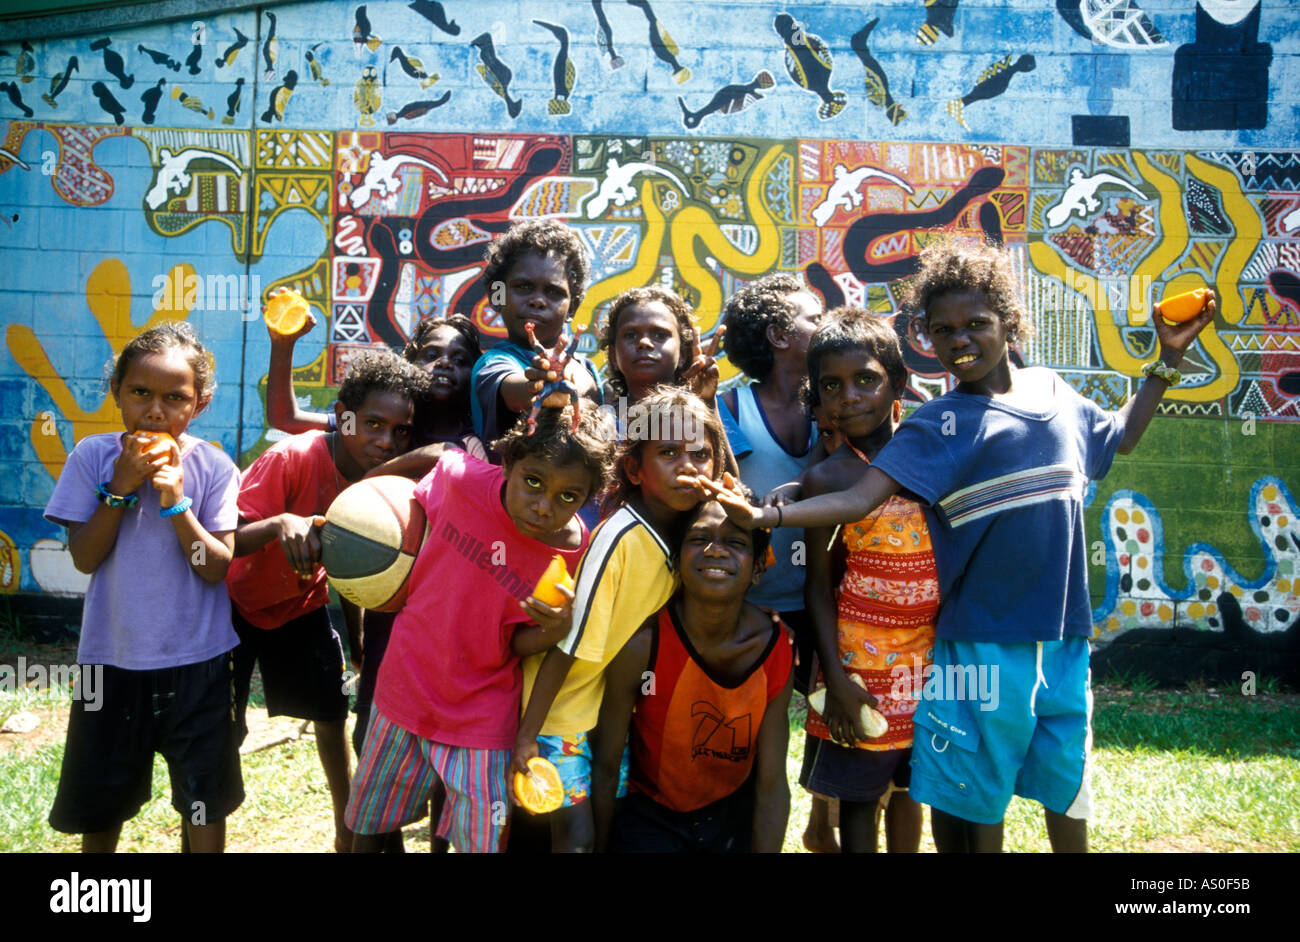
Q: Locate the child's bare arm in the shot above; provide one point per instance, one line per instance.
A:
(549, 625)
(299, 538)
(1174, 341)
(90, 541)
(354, 621)
(550, 678)
(771, 789)
(415, 463)
(623, 680)
(874, 488)
(282, 409)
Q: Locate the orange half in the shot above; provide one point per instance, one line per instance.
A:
(1185, 306)
(540, 791)
(556, 574)
(286, 311)
(151, 443)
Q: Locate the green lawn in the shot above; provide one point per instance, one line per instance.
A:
(1184, 770)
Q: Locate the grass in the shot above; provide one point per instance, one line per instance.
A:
(1174, 770)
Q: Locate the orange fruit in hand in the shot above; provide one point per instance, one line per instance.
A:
(1185, 306)
(556, 574)
(286, 312)
(540, 791)
(154, 443)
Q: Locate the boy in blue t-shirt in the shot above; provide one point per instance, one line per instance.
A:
(1000, 463)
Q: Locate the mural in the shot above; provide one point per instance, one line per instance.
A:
(366, 154)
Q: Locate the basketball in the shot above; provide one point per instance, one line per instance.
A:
(372, 533)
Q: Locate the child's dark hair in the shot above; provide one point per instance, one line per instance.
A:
(681, 312)
(749, 312)
(667, 413)
(761, 537)
(852, 328)
(162, 337)
(546, 237)
(594, 445)
(457, 322)
(952, 264)
(381, 371)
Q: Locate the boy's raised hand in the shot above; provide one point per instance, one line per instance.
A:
(1176, 338)
(291, 339)
(701, 377)
(726, 492)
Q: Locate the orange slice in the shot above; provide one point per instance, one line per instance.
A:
(152, 443)
(286, 311)
(556, 574)
(1185, 306)
(540, 791)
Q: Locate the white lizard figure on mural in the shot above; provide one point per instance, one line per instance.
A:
(173, 176)
(617, 187)
(844, 192)
(1291, 220)
(1081, 196)
(381, 176)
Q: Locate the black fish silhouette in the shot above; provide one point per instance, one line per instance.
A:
(728, 100)
(938, 19)
(160, 58)
(662, 43)
(877, 81)
(361, 34)
(280, 96)
(496, 73)
(233, 102)
(993, 81)
(270, 48)
(10, 89)
(432, 11)
(605, 36)
(113, 63)
(228, 57)
(809, 62)
(60, 82)
(192, 60)
(151, 97)
(107, 101)
(26, 63)
(412, 67)
(563, 73)
(415, 109)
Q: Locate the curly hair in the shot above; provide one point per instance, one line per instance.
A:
(852, 328)
(681, 312)
(381, 371)
(749, 312)
(594, 445)
(545, 237)
(162, 337)
(668, 413)
(952, 264)
(457, 322)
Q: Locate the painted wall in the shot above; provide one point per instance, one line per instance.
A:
(365, 154)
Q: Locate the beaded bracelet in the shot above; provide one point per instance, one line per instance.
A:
(182, 505)
(109, 499)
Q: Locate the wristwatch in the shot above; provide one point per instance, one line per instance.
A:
(109, 499)
(1162, 370)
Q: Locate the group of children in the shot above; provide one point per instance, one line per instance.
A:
(659, 687)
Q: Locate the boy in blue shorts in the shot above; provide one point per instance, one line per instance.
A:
(1000, 463)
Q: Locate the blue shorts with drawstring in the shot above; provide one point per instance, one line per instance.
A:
(997, 720)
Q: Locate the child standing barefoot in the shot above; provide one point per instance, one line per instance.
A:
(881, 613)
(152, 520)
(1001, 462)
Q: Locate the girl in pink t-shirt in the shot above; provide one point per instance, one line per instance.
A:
(447, 700)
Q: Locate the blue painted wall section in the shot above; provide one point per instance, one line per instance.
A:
(366, 153)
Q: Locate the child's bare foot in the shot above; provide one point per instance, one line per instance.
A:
(821, 842)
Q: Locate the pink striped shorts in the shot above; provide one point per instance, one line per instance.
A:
(396, 774)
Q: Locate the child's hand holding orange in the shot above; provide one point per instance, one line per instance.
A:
(168, 480)
(550, 606)
(1177, 336)
(139, 461)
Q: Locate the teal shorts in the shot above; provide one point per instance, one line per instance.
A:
(571, 756)
(997, 720)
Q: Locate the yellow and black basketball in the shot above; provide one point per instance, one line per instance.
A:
(372, 534)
